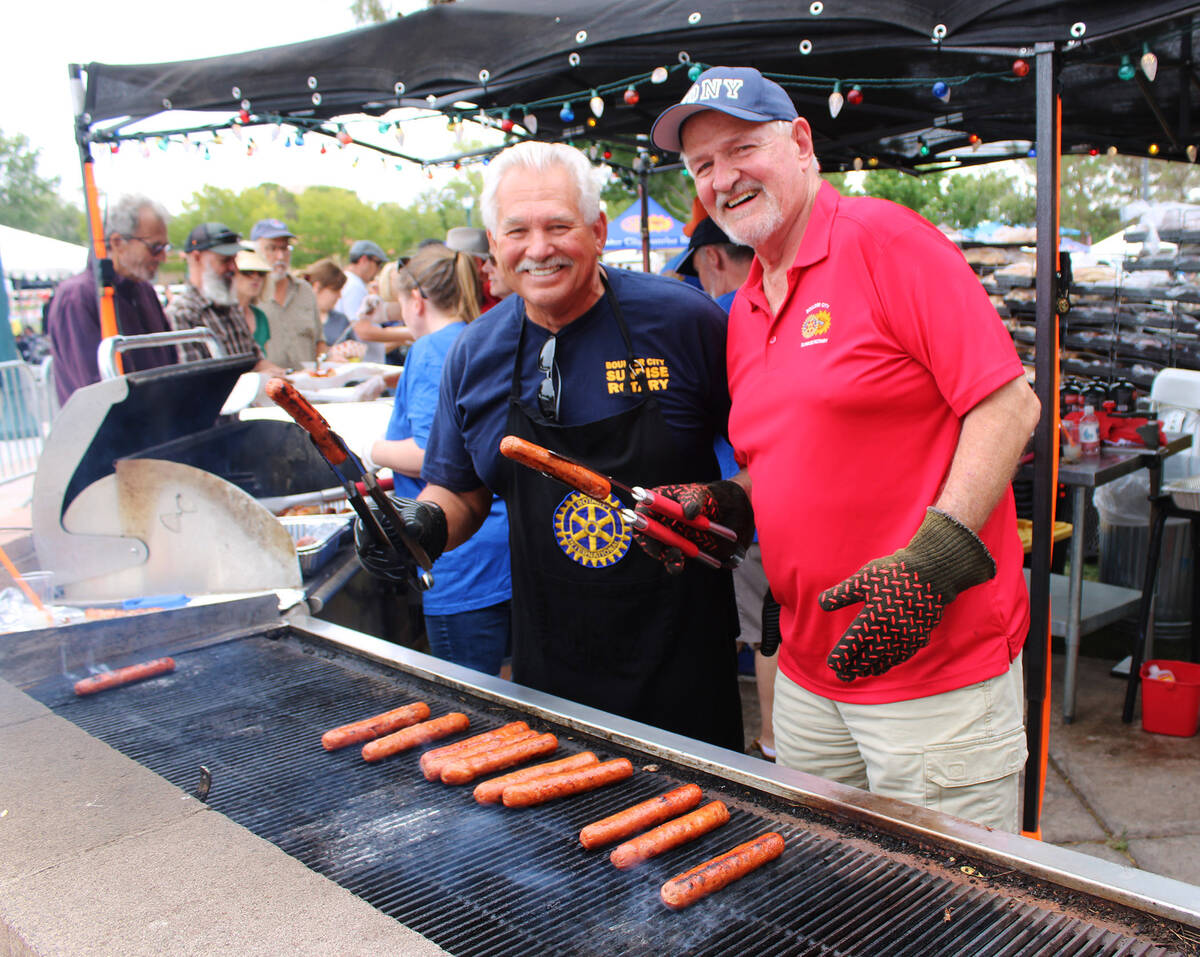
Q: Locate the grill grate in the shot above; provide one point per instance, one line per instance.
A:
(489, 881)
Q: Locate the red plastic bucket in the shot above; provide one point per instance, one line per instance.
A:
(1171, 707)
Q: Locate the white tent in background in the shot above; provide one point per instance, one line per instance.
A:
(28, 256)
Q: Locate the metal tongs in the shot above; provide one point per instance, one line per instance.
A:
(350, 470)
(594, 485)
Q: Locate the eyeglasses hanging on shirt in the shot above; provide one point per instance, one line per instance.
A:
(550, 388)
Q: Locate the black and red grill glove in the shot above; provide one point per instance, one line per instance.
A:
(724, 502)
(904, 595)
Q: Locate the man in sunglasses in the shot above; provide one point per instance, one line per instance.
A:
(625, 372)
(135, 234)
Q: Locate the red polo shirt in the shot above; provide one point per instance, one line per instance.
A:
(847, 409)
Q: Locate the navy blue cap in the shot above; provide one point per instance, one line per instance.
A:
(739, 91)
(706, 233)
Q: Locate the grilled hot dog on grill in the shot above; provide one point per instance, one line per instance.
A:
(541, 790)
(432, 761)
(410, 737)
(690, 886)
(623, 824)
(375, 726)
(464, 769)
(491, 791)
(666, 836)
(123, 676)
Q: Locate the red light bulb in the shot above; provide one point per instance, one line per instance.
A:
(631, 96)
(855, 96)
(1020, 68)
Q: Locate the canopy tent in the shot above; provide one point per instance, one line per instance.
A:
(925, 85)
(515, 58)
(29, 257)
(663, 229)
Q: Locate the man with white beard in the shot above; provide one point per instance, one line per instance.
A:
(209, 298)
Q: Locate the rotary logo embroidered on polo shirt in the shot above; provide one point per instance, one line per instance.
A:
(589, 532)
(817, 320)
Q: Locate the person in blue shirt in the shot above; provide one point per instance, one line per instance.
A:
(467, 610)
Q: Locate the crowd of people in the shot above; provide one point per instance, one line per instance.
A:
(810, 321)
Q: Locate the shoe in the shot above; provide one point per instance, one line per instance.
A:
(767, 754)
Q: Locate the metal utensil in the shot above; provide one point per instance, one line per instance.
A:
(598, 486)
(350, 470)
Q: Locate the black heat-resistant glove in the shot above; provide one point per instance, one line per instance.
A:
(904, 595)
(424, 522)
(771, 635)
(723, 502)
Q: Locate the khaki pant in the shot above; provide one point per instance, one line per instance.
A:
(959, 752)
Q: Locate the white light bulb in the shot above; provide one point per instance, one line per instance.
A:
(1150, 65)
(835, 103)
(596, 105)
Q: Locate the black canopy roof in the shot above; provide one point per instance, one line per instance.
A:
(531, 55)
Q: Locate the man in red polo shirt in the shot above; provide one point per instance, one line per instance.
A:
(880, 409)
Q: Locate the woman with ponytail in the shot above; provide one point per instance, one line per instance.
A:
(467, 610)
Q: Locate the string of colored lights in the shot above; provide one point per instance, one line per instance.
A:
(519, 119)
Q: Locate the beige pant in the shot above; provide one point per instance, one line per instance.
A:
(959, 752)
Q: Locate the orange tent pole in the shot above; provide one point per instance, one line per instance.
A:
(102, 268)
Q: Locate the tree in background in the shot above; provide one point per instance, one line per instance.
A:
(328, 219)
(956, 199)
(30, 201)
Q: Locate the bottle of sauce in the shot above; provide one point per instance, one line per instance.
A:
(1089, 433)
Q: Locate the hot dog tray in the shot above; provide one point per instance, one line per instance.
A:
(486, 880)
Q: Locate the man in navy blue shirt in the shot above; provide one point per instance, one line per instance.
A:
(624, 372)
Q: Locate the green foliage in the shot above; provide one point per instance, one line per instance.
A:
(958, 199)
(328, 219)
(368, 11)
(29, 200)
(919, 193)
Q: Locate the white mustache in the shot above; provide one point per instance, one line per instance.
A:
(525, 265)
(741, 186)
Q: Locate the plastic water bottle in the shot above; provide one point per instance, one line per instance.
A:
(1089, 433)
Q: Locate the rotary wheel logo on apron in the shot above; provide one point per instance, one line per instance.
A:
(589, 532)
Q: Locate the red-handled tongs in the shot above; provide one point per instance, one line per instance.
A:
(597, 486)
(353, 475)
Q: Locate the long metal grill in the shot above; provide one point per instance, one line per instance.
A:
(493, 881)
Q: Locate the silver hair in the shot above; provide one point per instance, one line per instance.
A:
(537, 157)
(123, 215)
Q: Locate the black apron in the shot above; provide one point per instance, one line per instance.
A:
(595, 619)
